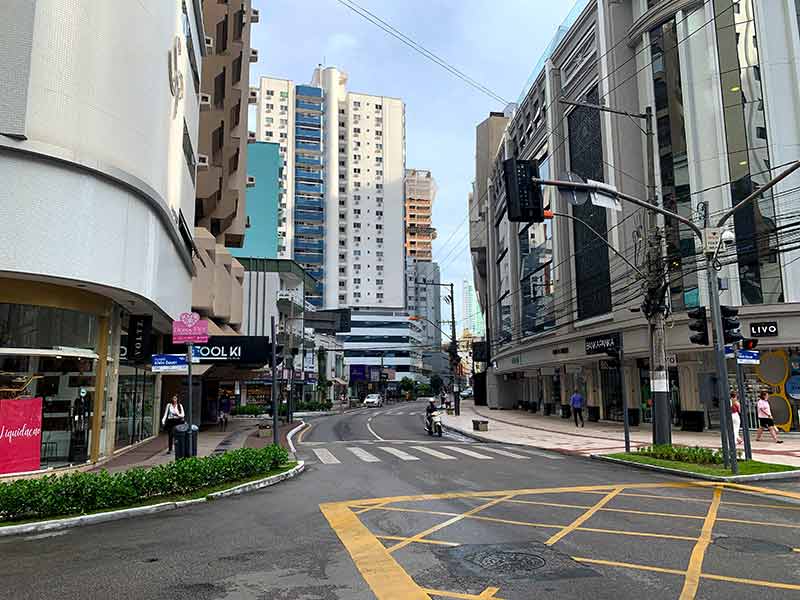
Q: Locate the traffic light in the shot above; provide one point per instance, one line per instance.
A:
(749, 344)
(524, 200)
(699, 323)
(730, 324)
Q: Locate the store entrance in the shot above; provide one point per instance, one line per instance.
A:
(611, 385)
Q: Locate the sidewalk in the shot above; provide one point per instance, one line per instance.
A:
(561, 435)
(209, 441)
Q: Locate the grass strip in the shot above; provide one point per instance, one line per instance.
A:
(746, 467)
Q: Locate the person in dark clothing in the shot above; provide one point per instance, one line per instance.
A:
(577, 402)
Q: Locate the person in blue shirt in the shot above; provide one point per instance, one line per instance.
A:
(577, 402)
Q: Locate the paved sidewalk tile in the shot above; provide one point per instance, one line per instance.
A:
(555, 433)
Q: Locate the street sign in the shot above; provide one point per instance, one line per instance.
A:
(748, 357)
(190, 329)
(729, 352)
(169, 363)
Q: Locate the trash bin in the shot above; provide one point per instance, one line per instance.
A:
(180, 436)
(191, 439)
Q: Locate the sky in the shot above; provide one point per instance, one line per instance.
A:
(495, 42)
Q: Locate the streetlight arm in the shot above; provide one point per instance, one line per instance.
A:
(610, 191)
(600, 237)
(771, 183)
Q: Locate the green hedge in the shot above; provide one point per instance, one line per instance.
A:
(250, 409)
(696, 455)
(80, 493)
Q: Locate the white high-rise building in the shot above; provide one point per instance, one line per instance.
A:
(364, 159)
(471, 310)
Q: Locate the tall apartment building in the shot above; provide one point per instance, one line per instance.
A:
(222, 180)
(420, 194)
(291, 116)
(472, 317)
(98, 151)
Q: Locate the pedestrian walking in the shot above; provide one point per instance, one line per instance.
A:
(577, 402)
(736, 416)
(173, 415)
(765, 420)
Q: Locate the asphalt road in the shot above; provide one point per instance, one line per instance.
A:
(384, 511)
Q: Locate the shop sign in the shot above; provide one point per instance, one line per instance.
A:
(139, 345)
(190, 329)
(169, 363)
(20, 435)
(764, 329)
(374, 374)
(600, 344)
(237, 349)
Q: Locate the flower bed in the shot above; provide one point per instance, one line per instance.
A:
(82, 493)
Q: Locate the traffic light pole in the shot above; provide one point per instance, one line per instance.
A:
(744, 413)
(725, 425)
(625, 417)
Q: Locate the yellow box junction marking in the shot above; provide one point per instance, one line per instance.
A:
(389, 581)
(699, 551)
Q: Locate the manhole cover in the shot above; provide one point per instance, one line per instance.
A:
(509, 563)
(746, 545)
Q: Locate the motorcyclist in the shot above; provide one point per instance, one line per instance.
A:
(429, 410)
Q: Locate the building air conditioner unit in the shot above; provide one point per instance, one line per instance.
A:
(205, 101)
(202, 161)
(253, 55)
(252, 97)
(254, 15)
(251, 181)
(251, 136)
(209, 44)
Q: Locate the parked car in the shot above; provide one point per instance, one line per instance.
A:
(373, 400)
(467, 393)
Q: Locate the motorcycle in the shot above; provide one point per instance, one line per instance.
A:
(434, 424)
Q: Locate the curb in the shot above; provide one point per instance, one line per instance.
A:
(486, 440)
(291, 434)
(732, 479)
(139, 511)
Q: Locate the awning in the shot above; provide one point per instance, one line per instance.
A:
(338, 381)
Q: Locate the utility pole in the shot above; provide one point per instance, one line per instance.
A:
(454, 353)
(274, 385)
(654, 307)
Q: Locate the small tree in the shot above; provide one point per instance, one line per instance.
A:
(436, 383)
(407, 384)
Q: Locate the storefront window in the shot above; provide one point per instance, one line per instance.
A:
(28, 326)
(66, 386)
(135, 401)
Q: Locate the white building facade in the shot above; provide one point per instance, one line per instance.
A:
(98, 161)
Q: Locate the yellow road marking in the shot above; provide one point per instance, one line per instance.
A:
(510, 522)
(755, 488)
(584, 517)
(385, 577)
(657, 497)
(613, 563)
(758, 505)
(666, 536)
(369, 508)
(303, 432)
(756, 582)
(692, 580)
(447, 523)
(761, 582)
(415, 510)
(487, 594)
(399, 538)
(604, 509)
(765, 523)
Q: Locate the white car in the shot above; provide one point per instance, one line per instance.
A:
(373, 400)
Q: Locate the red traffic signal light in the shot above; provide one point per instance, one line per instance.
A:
(749, 344)
(699, 323)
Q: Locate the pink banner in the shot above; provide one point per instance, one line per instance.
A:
(190, 329)
(20, 435)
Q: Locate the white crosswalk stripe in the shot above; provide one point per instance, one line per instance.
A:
(435, 453)
(469, 452)
(363, 454)
(505, 453)
(550, 455)
(398, 453)
(325, 456)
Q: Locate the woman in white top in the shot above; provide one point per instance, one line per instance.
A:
(173, 415)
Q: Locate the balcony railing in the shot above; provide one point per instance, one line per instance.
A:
(308, 245)
(308, 176)
(308, 146)
(308, 230)
(303, 105)
(307, 134)
(309, 120)
(308, 204)
(308, 160)
(308, 215)
(308, 90)
(312, 259)
(312, 188)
